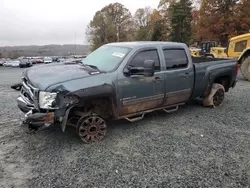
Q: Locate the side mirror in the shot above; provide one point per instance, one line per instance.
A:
(149, 68)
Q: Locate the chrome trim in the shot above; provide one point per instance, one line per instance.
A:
(32, 93)
(180, 92)
(28, 90)
(23, 99)
(143, 99)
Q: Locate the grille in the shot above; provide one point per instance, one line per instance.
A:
(29, 92)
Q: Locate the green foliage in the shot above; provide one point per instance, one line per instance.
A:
(157, 31)
(174, 20)
(111, 24)
(142, 34)
(220, 20)
(141, 19)
(181, 18)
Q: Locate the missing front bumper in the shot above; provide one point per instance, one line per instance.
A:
(37, 119)
(34, 118)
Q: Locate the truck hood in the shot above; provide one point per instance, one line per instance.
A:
(43, 76)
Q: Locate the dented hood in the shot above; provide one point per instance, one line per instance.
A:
(43, 76)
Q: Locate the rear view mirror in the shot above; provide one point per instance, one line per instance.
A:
(149, 68)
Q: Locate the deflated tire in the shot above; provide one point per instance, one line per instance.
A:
(216, 96)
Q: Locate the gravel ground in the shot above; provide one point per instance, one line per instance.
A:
(194, 147)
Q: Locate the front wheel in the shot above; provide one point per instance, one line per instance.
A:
(245, 68)
(91, 128)
(216, 96)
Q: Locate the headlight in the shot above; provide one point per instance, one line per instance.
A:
(46, 100)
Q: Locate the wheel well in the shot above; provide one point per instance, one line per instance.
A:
(223, 80)
(244, 56)
(209, 55)
(103, 106)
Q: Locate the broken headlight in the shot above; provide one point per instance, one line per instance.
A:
(47, 100)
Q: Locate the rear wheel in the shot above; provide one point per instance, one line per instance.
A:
(245, 68)
(216, 96)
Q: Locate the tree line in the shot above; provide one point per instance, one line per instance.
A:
(14, 52)
(185, 21)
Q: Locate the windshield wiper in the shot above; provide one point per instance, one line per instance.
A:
(92, 66)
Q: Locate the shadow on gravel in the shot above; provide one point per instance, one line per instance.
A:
(114, 127)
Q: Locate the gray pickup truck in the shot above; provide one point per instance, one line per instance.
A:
(121, 81)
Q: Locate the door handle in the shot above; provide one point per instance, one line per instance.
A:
(184, 74)
(158, 79)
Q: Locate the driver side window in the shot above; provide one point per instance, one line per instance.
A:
(138, 60)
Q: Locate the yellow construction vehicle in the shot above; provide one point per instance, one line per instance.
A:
(205, 49)
(195, 52)
(239, 48)
(217, 52)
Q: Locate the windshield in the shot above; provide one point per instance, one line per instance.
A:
(106, 58)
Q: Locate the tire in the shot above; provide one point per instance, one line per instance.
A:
(91, 128)
(216, 96)
(245, 68)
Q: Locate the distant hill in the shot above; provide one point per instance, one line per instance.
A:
(46, 50)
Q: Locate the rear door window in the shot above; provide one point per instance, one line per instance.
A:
(175, 58)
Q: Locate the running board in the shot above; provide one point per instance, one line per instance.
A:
(135, 119)
(171, 110)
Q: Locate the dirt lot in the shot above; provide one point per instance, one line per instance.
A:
(194, 147)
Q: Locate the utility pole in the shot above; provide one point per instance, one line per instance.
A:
(75, 43)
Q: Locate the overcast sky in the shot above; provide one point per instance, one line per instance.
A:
(27, 22)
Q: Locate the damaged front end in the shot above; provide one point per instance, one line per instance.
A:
(43, 109)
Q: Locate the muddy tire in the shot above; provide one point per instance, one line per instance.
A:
(91, 128)
(216, 96)
(245, 68)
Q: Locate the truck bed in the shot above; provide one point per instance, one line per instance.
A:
(205, 68)
(205, 59)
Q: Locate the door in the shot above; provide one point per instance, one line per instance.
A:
(179, 76)
(138, 93)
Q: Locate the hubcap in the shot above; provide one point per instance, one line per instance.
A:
(92, 129)
(218, 97)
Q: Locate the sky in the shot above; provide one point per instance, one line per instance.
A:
(41, 22)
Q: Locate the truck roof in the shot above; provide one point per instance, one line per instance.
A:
(137, 44)
(241, 36)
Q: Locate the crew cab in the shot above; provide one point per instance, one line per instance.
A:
(121, 81)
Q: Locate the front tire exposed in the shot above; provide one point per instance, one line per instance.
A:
(245, 68)
(91, 128)
(216, 96)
